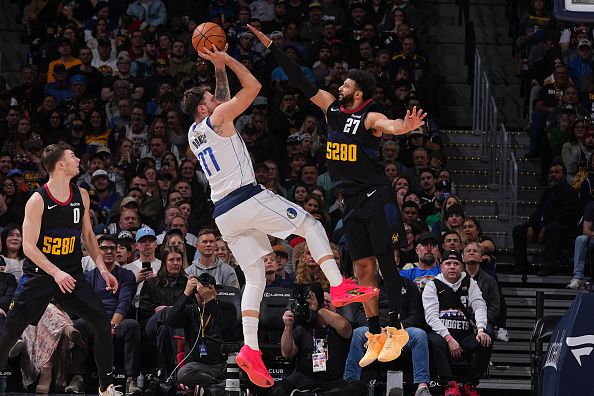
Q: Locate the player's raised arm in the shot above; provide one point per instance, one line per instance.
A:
(319, 97)
(382, 124)
(226, 112)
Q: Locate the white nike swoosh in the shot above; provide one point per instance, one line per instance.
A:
(334, 109)
(51, 207)
(371, 193)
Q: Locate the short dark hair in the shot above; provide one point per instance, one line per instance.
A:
(107, 237)
(192, 98)
(52, 154)
(450, 232)
(427, 170)
(410, 204)
(365, 82)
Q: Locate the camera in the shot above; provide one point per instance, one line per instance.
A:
(299, 304)
(206, 279)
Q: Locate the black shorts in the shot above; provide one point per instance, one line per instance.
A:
(372, 222)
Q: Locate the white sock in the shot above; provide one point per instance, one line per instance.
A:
(250, 332)
(331, 271)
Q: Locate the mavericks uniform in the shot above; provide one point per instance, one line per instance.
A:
(60, 241)
(245, 212)
(372, 221)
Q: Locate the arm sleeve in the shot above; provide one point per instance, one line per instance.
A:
(431, 307)
(294, 72)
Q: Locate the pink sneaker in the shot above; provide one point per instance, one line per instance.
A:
(349, 292)
(251, 362)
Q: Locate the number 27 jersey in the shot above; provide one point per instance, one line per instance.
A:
(352, 152)
(225, 160)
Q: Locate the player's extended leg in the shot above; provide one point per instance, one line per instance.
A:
(342, 291)
(29, 304)
(85, 303)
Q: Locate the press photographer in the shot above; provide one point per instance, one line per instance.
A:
(320, 343)
(204, 324)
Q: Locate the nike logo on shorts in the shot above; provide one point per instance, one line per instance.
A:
(369, 194)
(51, 207)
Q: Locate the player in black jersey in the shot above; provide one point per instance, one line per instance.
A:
(56, 221)
(355, 127)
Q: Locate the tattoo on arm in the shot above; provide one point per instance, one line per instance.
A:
(218, 127)
(222, 86)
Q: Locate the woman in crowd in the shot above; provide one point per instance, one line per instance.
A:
(401, 182)
(12, 202)
(440, 226)
(12, 248)
(308, 271)
(300, 193)
(274, 178)
(96, 130)
(158, 294)
(174, 238)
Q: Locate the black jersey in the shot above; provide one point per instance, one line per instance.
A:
(352, 152)
(60, 231)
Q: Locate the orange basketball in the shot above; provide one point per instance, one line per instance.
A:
(207, 34)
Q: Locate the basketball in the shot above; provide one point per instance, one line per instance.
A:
(207, 34)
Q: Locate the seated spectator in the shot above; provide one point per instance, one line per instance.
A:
(451, 241)
(553, 223)
(407, 254)
(156, 298)
(454, 217)
(473, 232)
(472, 258)
(12, 201)
(272, 278)
(146, 243)
(205, 325)
(124, 331)
(308, 271)
(8, 285)
(456, 331)
(124, 251)
(174, 237)
(208, 262)
(224, 253)
(583, 243)
(323, 339)
(11, 250)
(428, 266)
(282, 260)
(411, 314)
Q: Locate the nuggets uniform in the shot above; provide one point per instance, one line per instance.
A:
(245, 212)
(353, 158)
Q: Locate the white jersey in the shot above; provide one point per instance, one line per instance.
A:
(225, 161)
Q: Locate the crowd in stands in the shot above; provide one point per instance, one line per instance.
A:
(107, 78)
(555, 61)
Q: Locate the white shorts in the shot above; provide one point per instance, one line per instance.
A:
(246, 226)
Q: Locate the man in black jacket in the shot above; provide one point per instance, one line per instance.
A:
(554, 223)
(411, 312)
(204, 325)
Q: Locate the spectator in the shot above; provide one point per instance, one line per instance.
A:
(407, 254)
(487, 284)
(146, 243)
(124, 331)
(11, 249)
(553, 223)
(12, 201)
(583, 243)
(324, 339)
(411, 312)
(270, 271)
(451, 241)
(207, 262)
(282, 260)
(427, 268)
(447, 300)
(66, 59)
(308, 271)
(205, 325)
(473, 232)
(152, 12)
(105, 60)
(105, 192)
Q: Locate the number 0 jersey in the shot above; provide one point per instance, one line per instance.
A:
(352, 152)
(60, 231)
(225, 161)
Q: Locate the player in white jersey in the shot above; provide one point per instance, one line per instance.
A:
(245, 212)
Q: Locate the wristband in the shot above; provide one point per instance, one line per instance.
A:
(269, 44)
(448, 338)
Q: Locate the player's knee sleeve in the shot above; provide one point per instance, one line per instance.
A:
(316, 238)
(255, 281)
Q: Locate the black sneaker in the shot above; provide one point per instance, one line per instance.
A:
(77, 385)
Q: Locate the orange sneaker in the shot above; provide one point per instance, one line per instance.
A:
(375, 344)
(397, 339)
(251, 362)
(349, 292)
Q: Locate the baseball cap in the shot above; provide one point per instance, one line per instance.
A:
(99, 173)
(126, 235)
(246, 33)
(15, 172)
(417, 131)
(454, 209)
(429, 236)
(128, 201)
(78, 78)
(294, 139)
(314, 4)
(356, 5)
(279, 2)
(451, 255)
(569, 108)
(280, 249)
(305, 136)
(124, 56)
(103, 150)
(276, 33)
(145, 232)
(260, 101)
(585, 42)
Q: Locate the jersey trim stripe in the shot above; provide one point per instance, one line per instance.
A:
(49, 193)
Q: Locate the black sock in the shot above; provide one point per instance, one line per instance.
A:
(105, 379)
(374, 325)
(389, 269)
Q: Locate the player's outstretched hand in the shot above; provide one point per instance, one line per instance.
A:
(216, 57)
(66, 282)
(110, 281)
(261, 36)
(414, 119)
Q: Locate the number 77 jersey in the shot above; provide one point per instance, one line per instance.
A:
(352, 152)
(225, 161)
